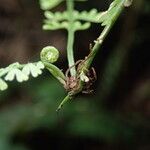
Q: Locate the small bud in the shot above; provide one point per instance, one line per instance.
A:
(49, 54)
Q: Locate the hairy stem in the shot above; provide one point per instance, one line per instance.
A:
(70, 42)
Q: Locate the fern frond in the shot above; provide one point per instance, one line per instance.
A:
(15, 72)
(54, 25)
(49, 4)
(33, 69)
(19, 71)
(60, 20)
(92, 16)
(3, 85)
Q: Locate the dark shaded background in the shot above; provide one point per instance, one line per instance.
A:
(115, 117)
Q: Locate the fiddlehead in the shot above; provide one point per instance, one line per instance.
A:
(49, 55)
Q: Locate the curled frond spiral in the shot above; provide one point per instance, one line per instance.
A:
(49, 54)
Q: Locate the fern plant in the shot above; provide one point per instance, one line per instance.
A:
(79, 75)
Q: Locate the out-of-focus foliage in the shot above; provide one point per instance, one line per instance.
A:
(61, 20)
(92, 122)
(49, 4)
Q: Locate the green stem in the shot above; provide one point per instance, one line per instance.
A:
(71, 32)
(66, 99)
(102, 37)
(85, 66)
(56, 72)
(97, 45)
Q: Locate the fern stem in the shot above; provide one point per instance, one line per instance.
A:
(56, 72)
(102, 37)
(66, 99)
(71, 32)
(98, 44)
(70, 54)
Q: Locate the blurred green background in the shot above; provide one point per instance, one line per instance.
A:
(115, 117)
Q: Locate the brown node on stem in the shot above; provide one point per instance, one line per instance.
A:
(73, 83)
